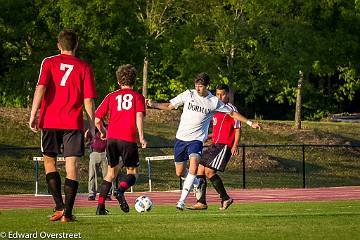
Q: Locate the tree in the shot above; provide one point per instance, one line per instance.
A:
(156, 16)
(110, 34)
(22, 35)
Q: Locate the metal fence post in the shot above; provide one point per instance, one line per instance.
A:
(303, 166)
(243, 162)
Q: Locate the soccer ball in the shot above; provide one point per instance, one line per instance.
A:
(143, 204)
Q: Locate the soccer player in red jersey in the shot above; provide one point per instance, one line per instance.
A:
(125, 109)
(225, 139)
(65, 85)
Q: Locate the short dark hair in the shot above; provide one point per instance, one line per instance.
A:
(202, 78)
(224, 87)
(126, 75)
(68, 40)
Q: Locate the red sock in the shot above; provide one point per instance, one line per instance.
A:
(101, 200)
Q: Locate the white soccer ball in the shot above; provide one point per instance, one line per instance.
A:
(143, 204)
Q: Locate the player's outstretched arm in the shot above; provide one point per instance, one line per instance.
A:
(39, 93)
(161, 106)
(243, 119)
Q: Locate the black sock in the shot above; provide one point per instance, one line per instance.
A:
(70, 189)
(126, 182)
(54, 185)
(219, 187)
(104, 191)
(203, 189)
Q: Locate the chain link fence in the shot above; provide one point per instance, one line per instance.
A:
(257, 166)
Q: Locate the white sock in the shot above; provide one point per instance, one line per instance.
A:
(188, 183)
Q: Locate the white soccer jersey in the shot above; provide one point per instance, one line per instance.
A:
(197, 114)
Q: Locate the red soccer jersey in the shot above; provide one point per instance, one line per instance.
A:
(224, 127)
(68, 82)
(121, 107)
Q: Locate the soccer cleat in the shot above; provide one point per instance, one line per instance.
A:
(123, 204)
(65, 219)
(57, 215)
(198, 206)
(225, 204)
(180, 205)
(91, 198)
(198, 189)
(100, 210)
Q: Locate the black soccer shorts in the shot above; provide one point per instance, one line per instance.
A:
(71, 140)
(128, 151)
(216, 157)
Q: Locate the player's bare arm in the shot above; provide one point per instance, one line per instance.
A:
(100, 126)
(243, 119)
(90, 110)
(140, 128)
(39, 93)
(161, 106)
(235, 147)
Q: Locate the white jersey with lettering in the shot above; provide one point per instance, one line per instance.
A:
(197, 114)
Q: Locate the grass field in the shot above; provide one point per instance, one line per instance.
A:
(282, 220)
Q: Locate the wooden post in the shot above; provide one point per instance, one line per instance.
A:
(298, 101)
(145, 77)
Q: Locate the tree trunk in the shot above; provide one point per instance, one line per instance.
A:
(230, 67)
(145, 77)
(298, 101)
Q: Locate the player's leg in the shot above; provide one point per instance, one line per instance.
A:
(128, 180)
(217, 183)
(71, 186)
(193, 150)
(50, 148)
(218, 164)
(74, 148)
(112, 157)
(200, 193)
(104, 167)
(53, 180)
(200, 190)
(92, 186)
(130, 158)
(106, 187)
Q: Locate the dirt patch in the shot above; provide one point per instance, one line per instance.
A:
(255, 161)
(305, 135)
(163, 116)
(17, 115)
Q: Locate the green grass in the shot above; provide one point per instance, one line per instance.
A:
(290, 220)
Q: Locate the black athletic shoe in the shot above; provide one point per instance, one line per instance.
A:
(123, 204)
(100, 210)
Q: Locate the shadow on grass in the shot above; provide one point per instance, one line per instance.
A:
(339, 138)
(16, 186)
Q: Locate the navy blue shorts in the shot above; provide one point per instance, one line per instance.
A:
(183, 149)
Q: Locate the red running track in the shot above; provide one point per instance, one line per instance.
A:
(239, 196)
